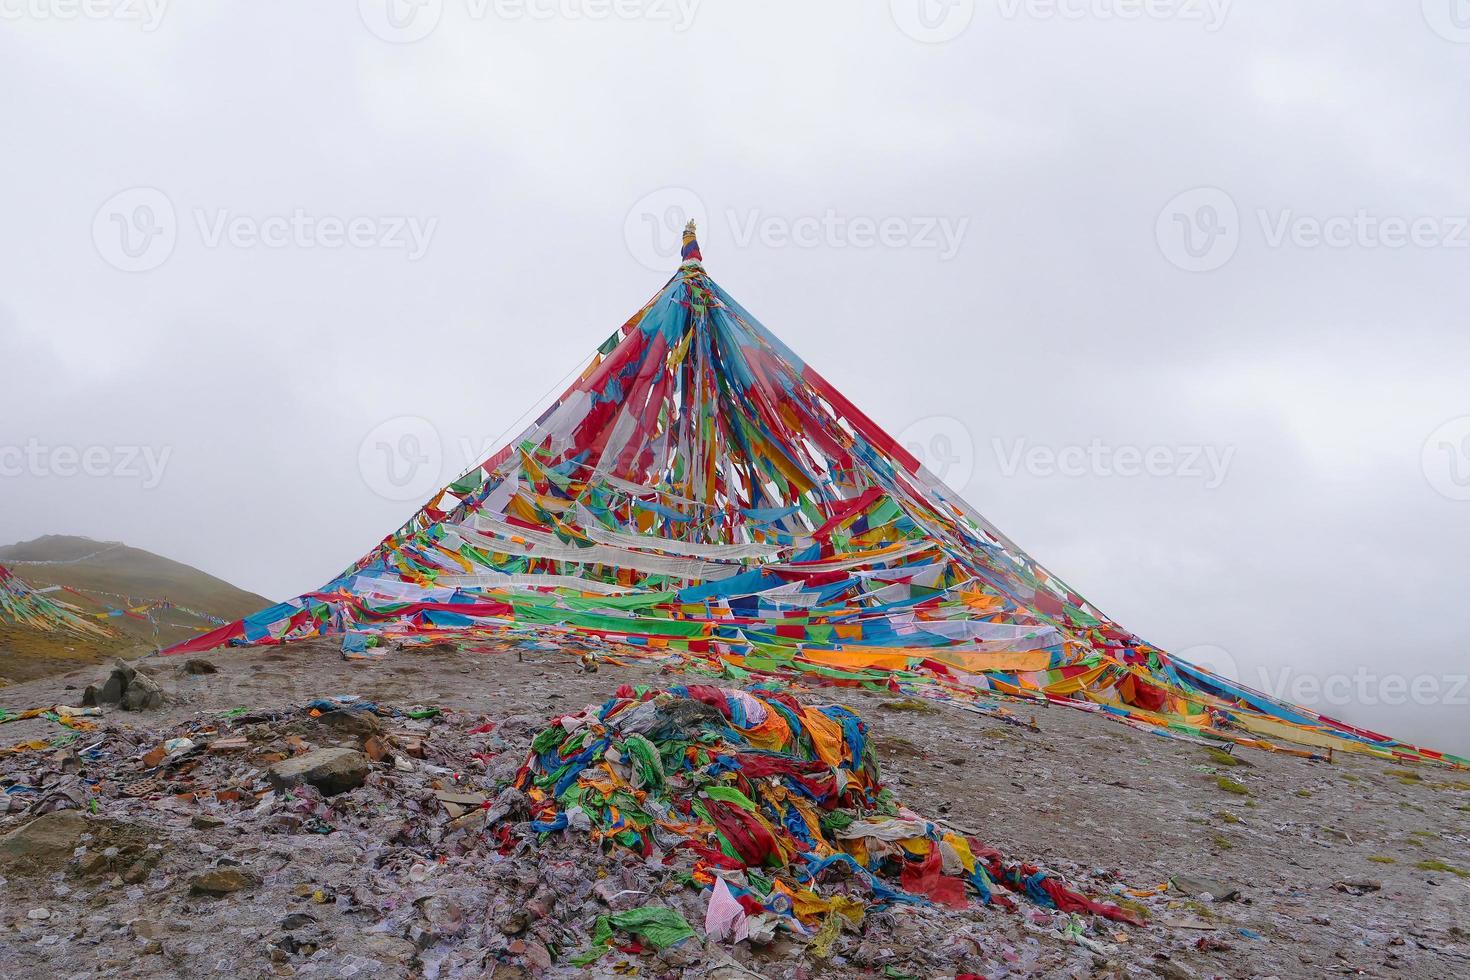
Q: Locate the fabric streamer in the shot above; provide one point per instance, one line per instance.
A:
(799, 810)
(23, 606)
(726, 917)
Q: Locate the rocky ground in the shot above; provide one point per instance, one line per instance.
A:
(128, 854)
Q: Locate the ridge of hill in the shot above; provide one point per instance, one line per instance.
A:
(100, 579)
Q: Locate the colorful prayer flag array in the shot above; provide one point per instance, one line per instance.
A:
(702, 492)
(23, 606)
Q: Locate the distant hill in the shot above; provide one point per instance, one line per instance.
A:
(107, 576)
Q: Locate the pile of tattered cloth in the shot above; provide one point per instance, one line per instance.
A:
(781, 804)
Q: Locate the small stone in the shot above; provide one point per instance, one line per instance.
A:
(358, 725)
(92, 863)
(222, 881)
(538, 958)
(38, 915)
(1170, 970)
(376, 749)
(50, 838)
(681, 955)
(390, 949)
(1358, 887)
(1199, 887)
(198, 667)
(137, 872)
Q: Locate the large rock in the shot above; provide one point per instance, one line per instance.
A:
(127, 688)
(112, 688)
(331, 771)
(142, 694)
(47, 840)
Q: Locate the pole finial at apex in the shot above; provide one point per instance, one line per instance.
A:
(690, 251)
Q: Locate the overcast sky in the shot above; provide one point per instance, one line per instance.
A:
(1177, 298)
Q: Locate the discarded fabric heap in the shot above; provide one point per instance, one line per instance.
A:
(780, 804)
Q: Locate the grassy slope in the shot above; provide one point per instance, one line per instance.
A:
(112, 568)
